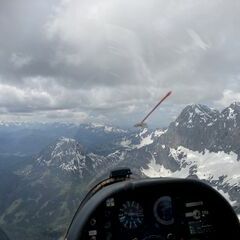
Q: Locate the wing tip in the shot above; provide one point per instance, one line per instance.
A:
(140, 125)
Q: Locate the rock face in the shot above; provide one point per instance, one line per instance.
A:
(196, 127)
(199, 127)
(231, 133)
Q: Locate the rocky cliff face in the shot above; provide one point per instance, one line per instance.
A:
(199, 127)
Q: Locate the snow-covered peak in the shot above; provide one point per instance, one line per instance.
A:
(66, 146)
(232, 111)
(196, 114)
(203, 111)
(66, 154)
(231, 115)
(235, 105)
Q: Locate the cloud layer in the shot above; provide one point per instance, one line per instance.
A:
(112, 60)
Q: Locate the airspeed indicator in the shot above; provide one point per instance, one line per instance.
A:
(131, 215)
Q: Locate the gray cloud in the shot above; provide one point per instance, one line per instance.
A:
(112, 60)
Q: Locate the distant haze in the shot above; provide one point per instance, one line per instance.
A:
(111, 61)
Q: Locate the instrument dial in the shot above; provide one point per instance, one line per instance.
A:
(131, 215)
(163, 210)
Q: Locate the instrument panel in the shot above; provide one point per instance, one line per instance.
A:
(163, 217)
(174, 211)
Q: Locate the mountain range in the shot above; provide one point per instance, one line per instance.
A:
(46, 168)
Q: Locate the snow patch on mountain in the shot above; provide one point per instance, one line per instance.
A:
(126, 143)
(176, 154)
(145, 141)
(141, 139)
(156, 170)
(159, 132)
(232, 114)
(208, 165)
(147, 137)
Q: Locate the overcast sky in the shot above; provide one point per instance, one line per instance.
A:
(111, 60)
